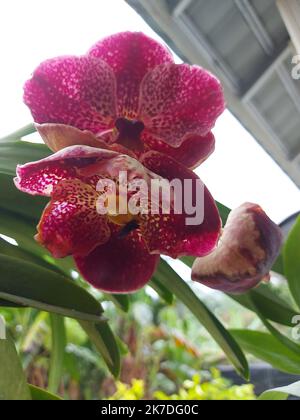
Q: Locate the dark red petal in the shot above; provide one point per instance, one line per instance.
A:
(70, 223)
(179, 100)
(193, 151)
(77, 91)
(60, 136)
(39, 178)
(131, 55)
(247, 251)
(170, 234)
(122, 265)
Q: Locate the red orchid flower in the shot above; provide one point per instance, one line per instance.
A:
(127, 91)
(114, 252)
(126, 106)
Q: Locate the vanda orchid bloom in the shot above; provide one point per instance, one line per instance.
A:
(127, 93)
(125, 106)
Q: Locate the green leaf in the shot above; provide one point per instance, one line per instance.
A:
(276, 333)
(266, 347)
(224, 212)
(39, 394)
(121, 301)
(105, 342)
(291, 256)
(13, 384)
(278, 266)
(271, 305)
(15, 201)
(184, 293)
(57, 352)
(32, 285)
(20, 152)
(161, 290)
(281, 393)
(20, 133)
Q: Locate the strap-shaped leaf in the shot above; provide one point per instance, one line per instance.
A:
(20, 152)
(266, 347)
(161, 289)
(105, 342)
(224, 212)
(29, 284)
(281, 394)
(291, 257)
(276, 333)
(15, 201)
(13, 384)
(272, 306)
(121, 301)
(58, 346)
(19, 134)
(39, 394)
(185, 294)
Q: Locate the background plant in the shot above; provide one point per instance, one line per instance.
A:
(68, 346)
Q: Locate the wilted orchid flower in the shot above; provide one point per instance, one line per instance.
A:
(247, 251)
(114, 252)
(127, 91)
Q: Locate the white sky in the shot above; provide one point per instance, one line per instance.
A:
(34, 30)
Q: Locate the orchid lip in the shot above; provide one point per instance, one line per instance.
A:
(130, 133)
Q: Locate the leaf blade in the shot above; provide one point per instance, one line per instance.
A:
(291, 256)
(13, 384)
(57, 352)
(267, 348)
(281, 393)
(32, 285)
(105, 342)
(184, 293)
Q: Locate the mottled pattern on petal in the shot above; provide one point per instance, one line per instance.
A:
(39, 178)
(170, 234)
(122, 265)
(60, 136)
(193, 151)
(131, 55)
(247, 251)
(77, 91)
(179, 100)
(70, 223)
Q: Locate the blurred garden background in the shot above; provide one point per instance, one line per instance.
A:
(169, 338)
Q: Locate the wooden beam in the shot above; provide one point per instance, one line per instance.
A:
(290, 12)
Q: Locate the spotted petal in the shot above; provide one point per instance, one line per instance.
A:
(247, 251)
(77, 91)
(39, 178)
(193, 151)
(131, 55)
(70, 223)
(178, 101)
(122, 265)
(172, 234)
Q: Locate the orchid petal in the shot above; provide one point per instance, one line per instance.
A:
(193, 151)
(39, 178)
(178, 101)
(131, 55)
(123, 265)
(70, 223)
(248, 248)
(170, 234)
(77, 91)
